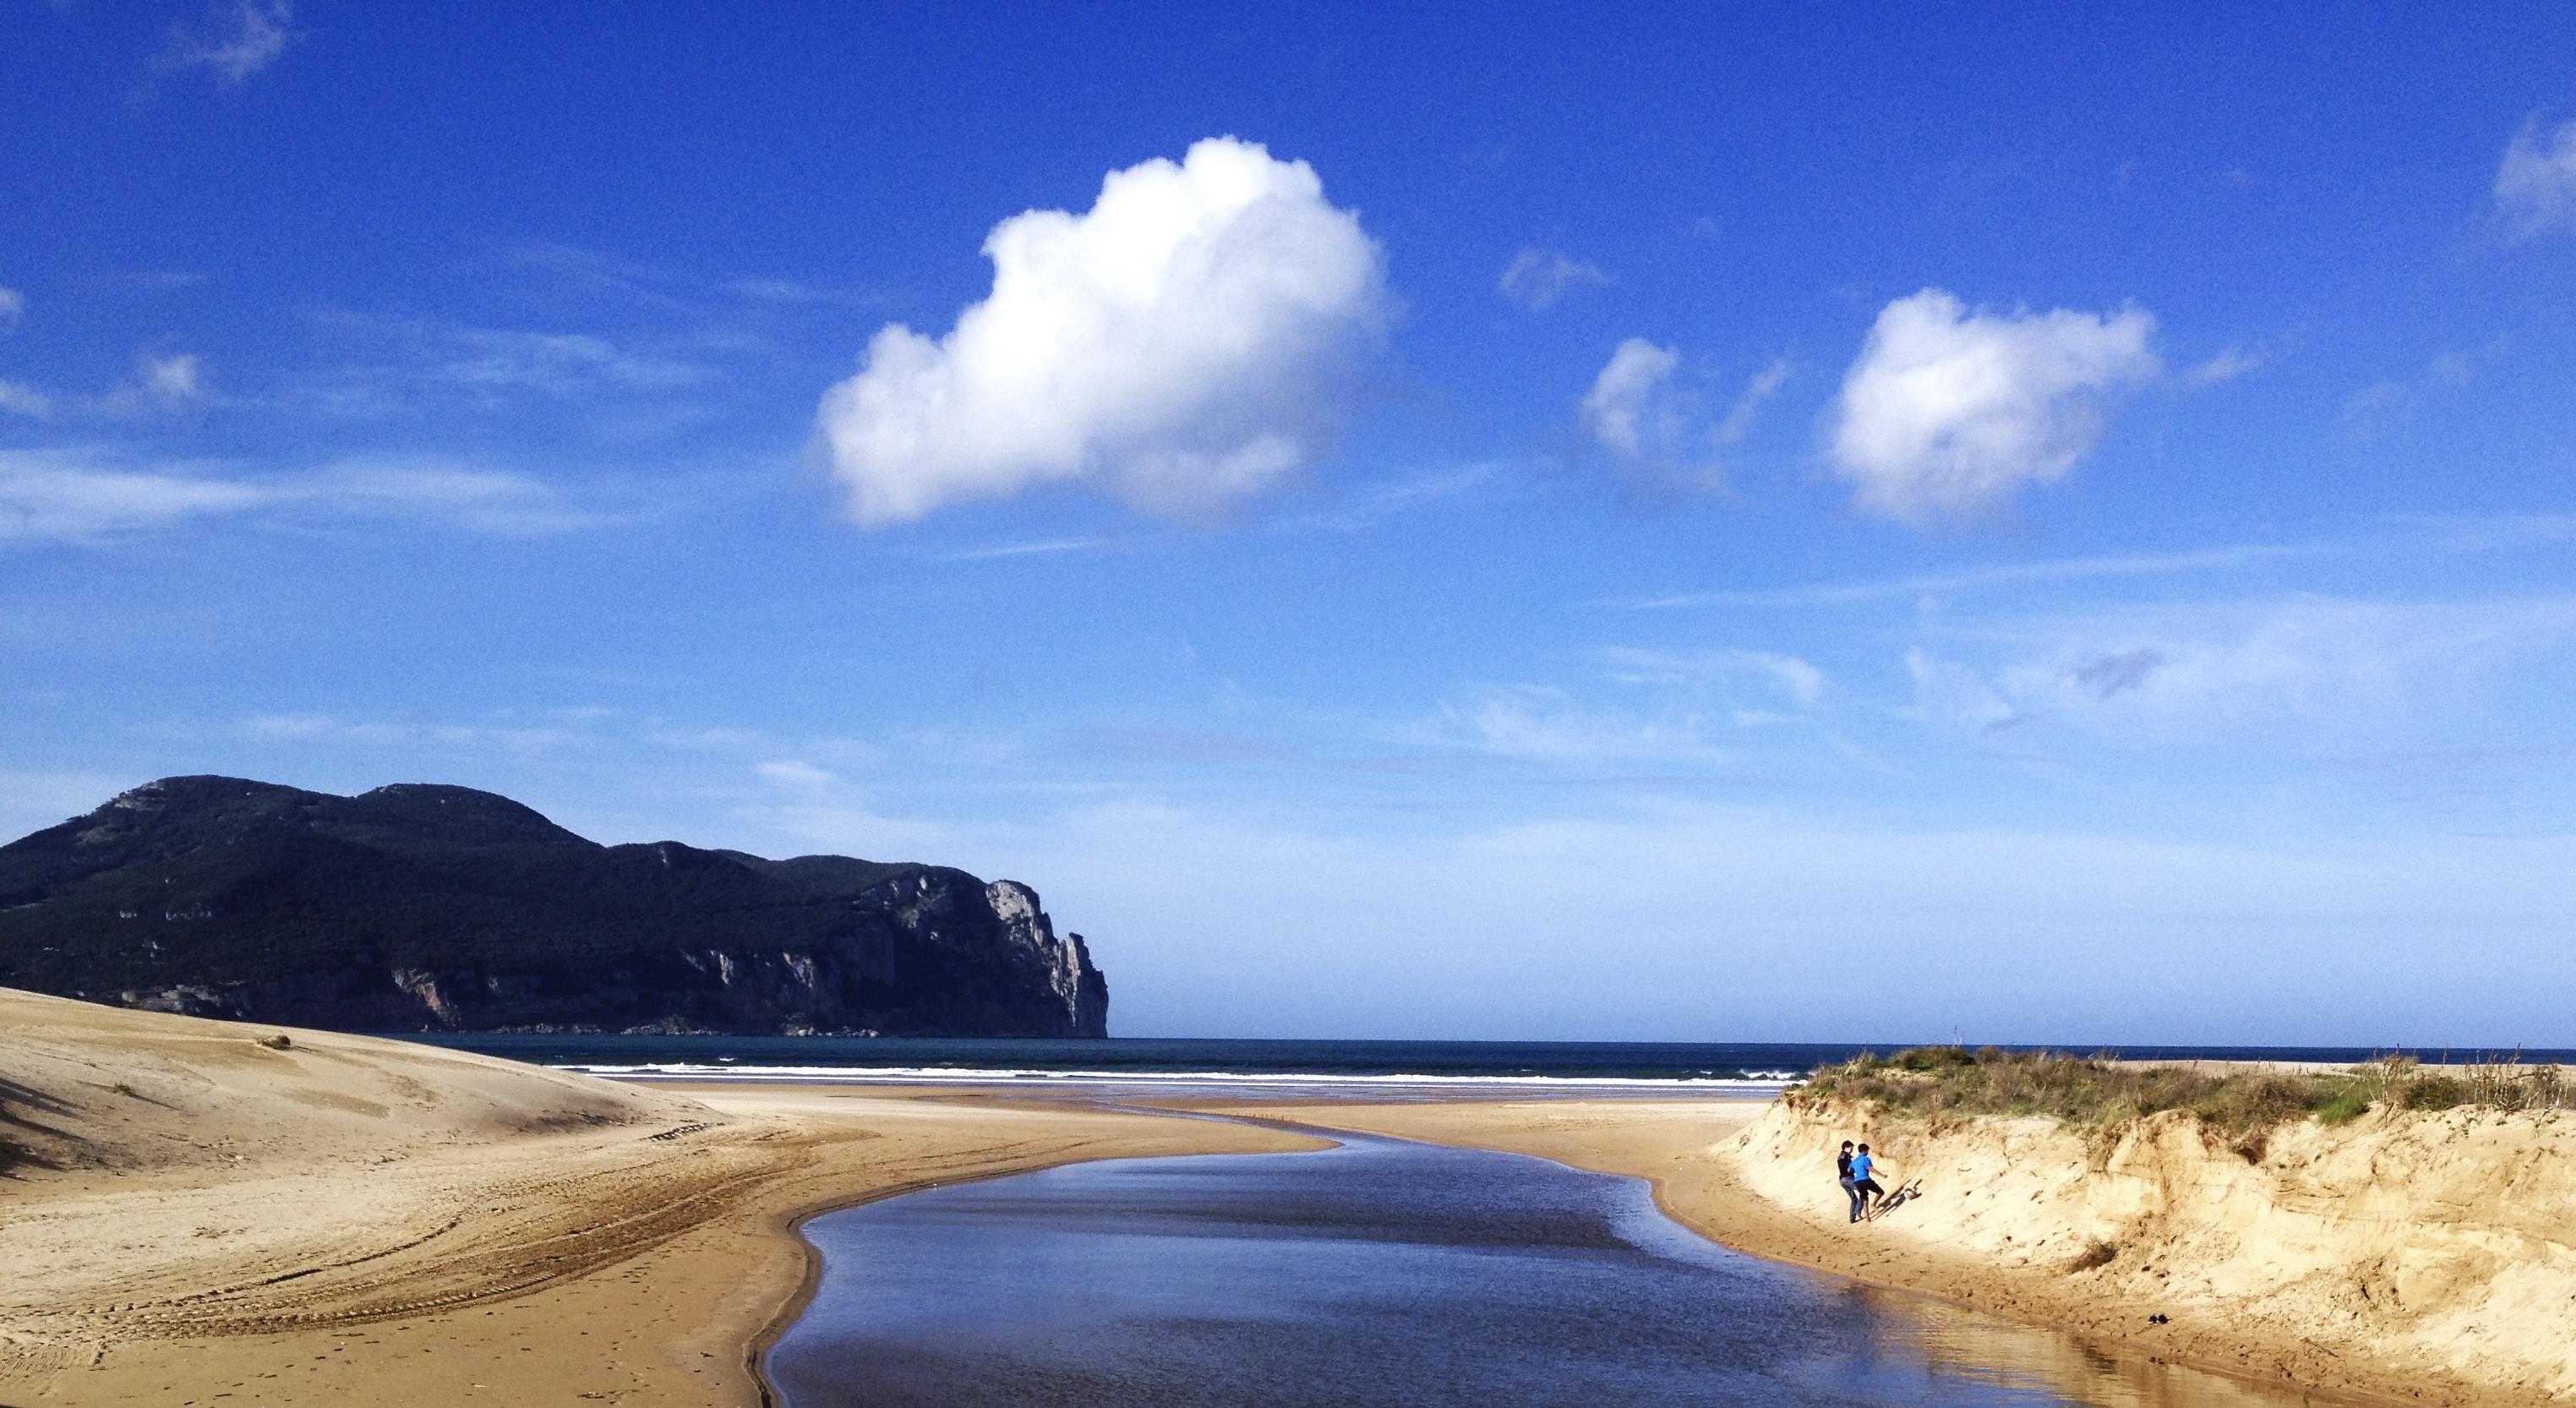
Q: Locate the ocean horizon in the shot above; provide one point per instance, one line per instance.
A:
(1257, 1062)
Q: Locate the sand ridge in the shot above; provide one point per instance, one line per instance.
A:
(350, 1221)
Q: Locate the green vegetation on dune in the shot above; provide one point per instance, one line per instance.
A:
(2239, 1107)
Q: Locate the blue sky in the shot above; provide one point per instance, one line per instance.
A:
(1728, 522)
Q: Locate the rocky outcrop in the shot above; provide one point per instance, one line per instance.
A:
(1070, 976)
(423, 908)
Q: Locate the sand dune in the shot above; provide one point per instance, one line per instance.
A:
(354, 1221)
(2432, 1255)
(2424, 1257)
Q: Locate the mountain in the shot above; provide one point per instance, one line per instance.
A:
(427, 908)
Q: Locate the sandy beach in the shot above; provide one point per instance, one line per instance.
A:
(196, 1212)
(355, 1221)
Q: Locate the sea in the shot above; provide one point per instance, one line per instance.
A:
(1288, 1068)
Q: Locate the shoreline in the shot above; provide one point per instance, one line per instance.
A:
(791, 1225)
(207, 1211)
(1325, 1121)
(1696, 1183)
(336, 1220)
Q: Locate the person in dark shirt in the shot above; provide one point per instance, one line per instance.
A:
(1843, 1172)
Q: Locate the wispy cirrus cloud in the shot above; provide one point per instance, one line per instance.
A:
(1038, 547)
(1795, 680)
(2535, 185)
(20, 399)
(307, 727)
(616, 278)
(2193, 671)
(234, 44)
(160, 383)
(1548, 725)
(98, 497)
(2385, 407)
(2067, 569)
(1539, 279)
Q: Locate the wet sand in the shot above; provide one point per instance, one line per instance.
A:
(1707, 1179)
(196, 1218)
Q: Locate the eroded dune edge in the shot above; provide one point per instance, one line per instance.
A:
(2421, 1257)
(191, 1208)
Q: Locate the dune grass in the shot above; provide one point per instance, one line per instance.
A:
(2236, 1108)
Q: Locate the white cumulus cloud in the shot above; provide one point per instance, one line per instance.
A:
(1538, 279)
(1179, 344)
(1948, 411)
(2535, 188)
(13, 305)
(1615, 410)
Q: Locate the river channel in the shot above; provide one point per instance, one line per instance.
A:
(1384, 1273)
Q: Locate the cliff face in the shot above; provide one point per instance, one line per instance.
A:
(419, 908)
(2428, 1254)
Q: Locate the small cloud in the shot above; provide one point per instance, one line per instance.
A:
(13, 305)
(793, 775)
(1615, 408)
(1538, 279)
(2229, 364)
(171, 380)
(1947, 692)
(2535, 186)
(1765, 384)
(235, 44)
(1947, 412)
(159, 384)
(1639, 412)
(18, 398)
(1181, 344)
(2107, 675)
(2383, 407)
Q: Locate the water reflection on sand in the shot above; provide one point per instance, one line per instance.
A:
(1384, 1273)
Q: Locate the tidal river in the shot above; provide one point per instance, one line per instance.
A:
(1383, 1273)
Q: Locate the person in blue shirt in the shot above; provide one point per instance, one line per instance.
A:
(1864, 1187)
(1843, 1175)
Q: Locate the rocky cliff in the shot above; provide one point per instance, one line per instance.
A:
(427, 908)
